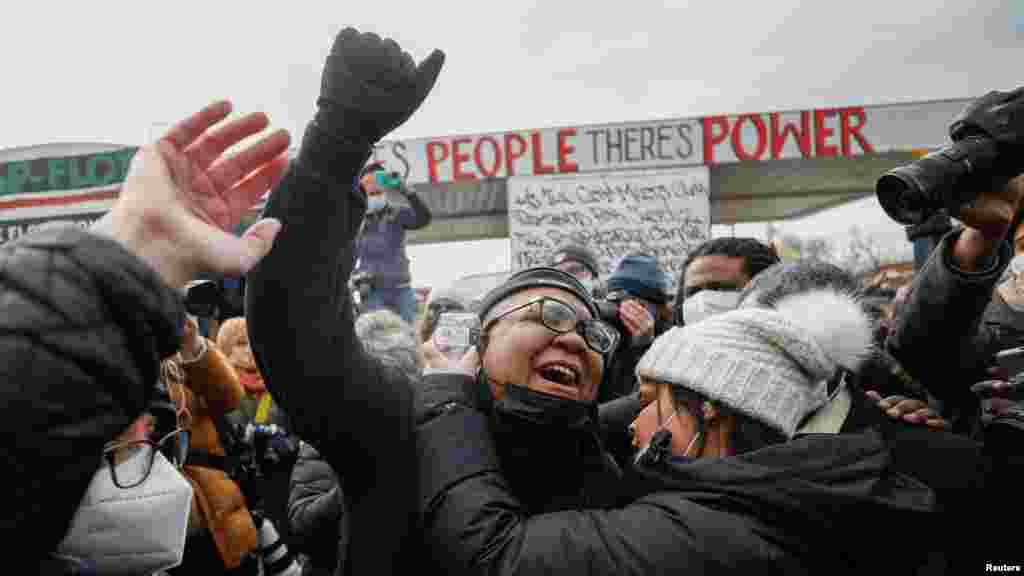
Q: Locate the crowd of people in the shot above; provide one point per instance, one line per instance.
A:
(766, 417)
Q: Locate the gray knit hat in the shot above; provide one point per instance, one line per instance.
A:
(771, 364)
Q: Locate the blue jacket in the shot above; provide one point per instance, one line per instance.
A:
(380, 247)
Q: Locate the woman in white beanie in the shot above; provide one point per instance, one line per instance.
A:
(765, 370)
(742, 470)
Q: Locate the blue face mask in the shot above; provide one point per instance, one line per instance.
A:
(375, 203)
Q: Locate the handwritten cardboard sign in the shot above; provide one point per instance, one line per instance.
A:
(663, 212)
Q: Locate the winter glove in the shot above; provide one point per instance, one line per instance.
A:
(370, 87)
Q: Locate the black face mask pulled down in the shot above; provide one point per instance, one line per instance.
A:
(549, 447)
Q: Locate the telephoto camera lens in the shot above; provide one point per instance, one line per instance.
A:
(277, 560)
(946, 179)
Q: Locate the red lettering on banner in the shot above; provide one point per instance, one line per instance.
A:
(459, 158)
(433, 160)
(822, 134)
(539, 167)
(737, 138)
(710, 138)
(479, 159)
(512, 155)
(846, 115)
(802, 135)
(565, 165)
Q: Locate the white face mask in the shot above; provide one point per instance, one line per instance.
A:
(138, 530)
(707, 303)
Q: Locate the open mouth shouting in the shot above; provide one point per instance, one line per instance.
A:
(561, 378)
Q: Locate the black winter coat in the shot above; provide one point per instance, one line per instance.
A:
(316, 511)
(804, 507)
(941, 339)
(354, 410)
(83, 326)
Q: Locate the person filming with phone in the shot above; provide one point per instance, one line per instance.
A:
(380, 248)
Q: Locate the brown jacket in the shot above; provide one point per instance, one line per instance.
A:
(212, 389)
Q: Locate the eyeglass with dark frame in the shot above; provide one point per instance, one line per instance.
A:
(561, 318)
(153, 446)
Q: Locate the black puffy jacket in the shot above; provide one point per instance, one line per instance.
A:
(808, 506)
(83, 326)
(316, 511)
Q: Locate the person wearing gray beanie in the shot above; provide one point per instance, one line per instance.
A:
(788, 499)
(768, 364)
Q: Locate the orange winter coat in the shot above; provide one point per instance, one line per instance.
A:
(212, 389)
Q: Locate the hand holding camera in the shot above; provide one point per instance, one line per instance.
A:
(453, 343)
(987, 141)
(628, 316)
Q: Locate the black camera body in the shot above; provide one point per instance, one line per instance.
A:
(260, 450)
(203, 298)
(986, 152)
(608, 311)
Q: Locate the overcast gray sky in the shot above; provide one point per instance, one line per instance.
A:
(88, 71)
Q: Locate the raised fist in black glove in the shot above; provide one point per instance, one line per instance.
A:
(370, 87)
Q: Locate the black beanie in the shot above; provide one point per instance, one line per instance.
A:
(539, 277)
(577, 253)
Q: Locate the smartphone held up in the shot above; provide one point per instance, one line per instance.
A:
(456, 333)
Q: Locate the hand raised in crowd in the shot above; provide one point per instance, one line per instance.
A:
(909, 410)
(370, 86)
(638, 321)
(181, 200)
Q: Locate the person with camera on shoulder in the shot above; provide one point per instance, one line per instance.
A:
(380, 249)
(959, 314)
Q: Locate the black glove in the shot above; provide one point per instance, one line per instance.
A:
(1000, 116)
(370, 86)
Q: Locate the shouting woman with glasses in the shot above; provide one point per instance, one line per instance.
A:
(536, 372)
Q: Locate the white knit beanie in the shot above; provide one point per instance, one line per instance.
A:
(770, 364)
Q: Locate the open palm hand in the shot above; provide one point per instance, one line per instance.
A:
(181, 200)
